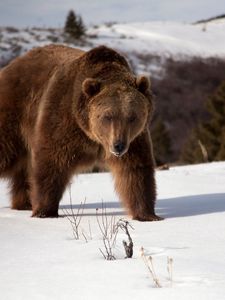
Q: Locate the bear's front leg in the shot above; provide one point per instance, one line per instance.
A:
(135, 179)
(48, 185)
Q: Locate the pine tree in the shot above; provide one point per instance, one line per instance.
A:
(161, 142)
(74, 25)
(211, 134)
(80, 27)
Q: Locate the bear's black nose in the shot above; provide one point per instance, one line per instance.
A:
(119, 147)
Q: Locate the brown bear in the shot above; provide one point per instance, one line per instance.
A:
(63, 110)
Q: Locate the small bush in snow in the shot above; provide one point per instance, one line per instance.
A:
(109, 231)
(109, 228)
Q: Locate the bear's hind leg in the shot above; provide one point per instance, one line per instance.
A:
(20, 189)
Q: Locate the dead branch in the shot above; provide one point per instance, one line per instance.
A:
(124, 225)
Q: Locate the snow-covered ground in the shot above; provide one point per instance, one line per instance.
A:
(40, 259)
(166, 38)
(155, 40)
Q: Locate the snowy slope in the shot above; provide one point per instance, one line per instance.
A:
(39, 258)
(166, 38)
(155, 40)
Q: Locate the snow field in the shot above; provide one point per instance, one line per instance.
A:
(39, 258)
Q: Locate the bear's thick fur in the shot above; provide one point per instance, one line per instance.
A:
(63, 110)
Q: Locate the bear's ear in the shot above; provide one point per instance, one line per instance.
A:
(143, 83)
(90, 86)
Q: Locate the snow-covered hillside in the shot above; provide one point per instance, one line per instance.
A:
(155, 42)
(166, 38)
(39, 258)
(158, 40)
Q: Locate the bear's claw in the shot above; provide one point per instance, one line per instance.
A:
(148, 218)
(45, 214)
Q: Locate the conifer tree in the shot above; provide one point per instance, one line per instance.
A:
(211, 134)
(74, 25)
(80, 27)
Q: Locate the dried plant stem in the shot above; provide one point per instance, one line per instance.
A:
(149, 264)
(75, 217)
(170, 269)
(89, 227)
(153, 272)
(204, 151)
(83, 234)
(109, 232)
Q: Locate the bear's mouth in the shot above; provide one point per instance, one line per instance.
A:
(118, 154)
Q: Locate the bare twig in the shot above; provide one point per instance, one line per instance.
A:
(83, 234)
(89, 227)
(75, 217)
(109, 231)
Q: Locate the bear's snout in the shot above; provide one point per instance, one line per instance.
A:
(119, 148)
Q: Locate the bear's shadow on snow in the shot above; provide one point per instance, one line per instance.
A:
(191, 205)
(107, 208)
(183, 206)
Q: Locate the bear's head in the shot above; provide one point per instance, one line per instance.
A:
(117, 112)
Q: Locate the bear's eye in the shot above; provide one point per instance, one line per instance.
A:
(107, 118)
(131, 119)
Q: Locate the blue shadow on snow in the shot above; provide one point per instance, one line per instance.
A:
(168, 208)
